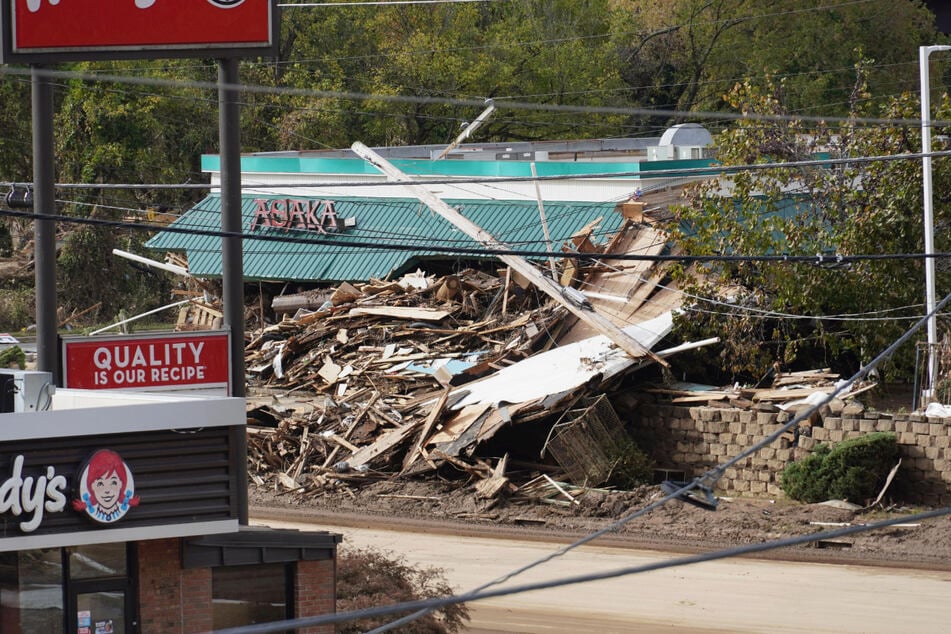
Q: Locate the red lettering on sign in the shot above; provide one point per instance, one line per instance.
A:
(296, 213)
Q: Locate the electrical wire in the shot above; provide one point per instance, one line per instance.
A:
(705, 481)
(500, 105)
(709, 479)
(434, 604)
(818, 259)
(681, 172)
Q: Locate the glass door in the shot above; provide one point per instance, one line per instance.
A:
(100, 598)
(101, 612)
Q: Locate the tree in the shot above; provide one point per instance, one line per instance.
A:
(684, 54)
(820, 312)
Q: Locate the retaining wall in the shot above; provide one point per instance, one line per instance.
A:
(696, 439)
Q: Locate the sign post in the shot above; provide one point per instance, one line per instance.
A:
(54, 31)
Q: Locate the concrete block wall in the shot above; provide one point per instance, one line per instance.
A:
(696, 439)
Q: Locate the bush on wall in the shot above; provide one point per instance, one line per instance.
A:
(853, 470)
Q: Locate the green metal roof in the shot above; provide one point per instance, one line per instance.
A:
(391, 236)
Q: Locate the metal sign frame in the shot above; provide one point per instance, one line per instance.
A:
(165, 37)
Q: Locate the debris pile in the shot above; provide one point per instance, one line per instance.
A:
(403, 377)
(388, 378)
(361, 386)
(785, 391)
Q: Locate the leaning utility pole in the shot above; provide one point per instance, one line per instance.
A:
(570, 298)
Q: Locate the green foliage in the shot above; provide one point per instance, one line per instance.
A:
(685, 54)
(853, 470)
(13, 357)
(16, 306)
(633, 467)
(368, 578)
(89, 273)
(857, 208)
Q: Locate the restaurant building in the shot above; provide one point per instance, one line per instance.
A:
(119, 513)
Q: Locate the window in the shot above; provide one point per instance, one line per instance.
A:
(246, 595)
(31, 591)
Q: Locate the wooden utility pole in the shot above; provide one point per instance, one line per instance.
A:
(570, 298)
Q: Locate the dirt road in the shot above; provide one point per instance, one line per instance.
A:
(735, 595)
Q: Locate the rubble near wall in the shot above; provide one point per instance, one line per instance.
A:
(696, 439)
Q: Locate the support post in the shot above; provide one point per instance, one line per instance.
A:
(44, 206)
(232, 257)
(932, 358)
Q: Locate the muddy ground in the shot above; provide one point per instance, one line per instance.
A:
(674, 525)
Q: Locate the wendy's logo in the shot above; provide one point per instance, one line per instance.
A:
(227, 4)
(106, 488)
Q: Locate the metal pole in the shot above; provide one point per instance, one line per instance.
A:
(232, 268)
(932, 369)
(47, 350)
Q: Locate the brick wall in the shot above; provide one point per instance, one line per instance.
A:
(695, 439)
(173, 600)
(160, 588)
(315, 592)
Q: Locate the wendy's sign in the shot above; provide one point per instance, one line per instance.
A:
(112, 467)
(106, 488)
(66, 30)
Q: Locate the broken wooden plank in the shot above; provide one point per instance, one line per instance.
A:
(383, 444)
(434, 414)
(403, 312)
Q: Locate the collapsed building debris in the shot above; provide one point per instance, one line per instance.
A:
(403, 377)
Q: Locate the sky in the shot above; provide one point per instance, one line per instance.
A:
(942, 9)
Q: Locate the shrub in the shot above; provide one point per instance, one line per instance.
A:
(13, 357)
(632, 468)
(368, 578)
(853, 470)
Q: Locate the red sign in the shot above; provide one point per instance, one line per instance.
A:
(93, 25)
(181, 360)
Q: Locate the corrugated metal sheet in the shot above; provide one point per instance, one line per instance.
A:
(391, 236)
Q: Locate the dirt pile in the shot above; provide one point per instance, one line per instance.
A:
(675, 525)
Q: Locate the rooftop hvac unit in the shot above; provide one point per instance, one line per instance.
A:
(25, 391)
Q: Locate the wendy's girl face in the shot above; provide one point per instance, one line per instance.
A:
(107, 489)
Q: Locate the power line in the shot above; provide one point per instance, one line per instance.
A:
(414, 245)
(684, 172)
(512, 105)
(705, 483)
(434, 604)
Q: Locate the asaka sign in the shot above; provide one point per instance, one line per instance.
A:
(172, 361)
(298, 213)
(52, 30)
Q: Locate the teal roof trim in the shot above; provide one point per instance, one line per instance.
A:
(417, 167)
(391, 236)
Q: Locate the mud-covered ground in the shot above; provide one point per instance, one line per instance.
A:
(673, 525)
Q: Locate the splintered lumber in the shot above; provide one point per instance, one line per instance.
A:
(383, 444)
(434, 415)
(493, 485)
(545, 284)
(402, 312)
(791, 394)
